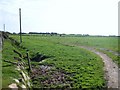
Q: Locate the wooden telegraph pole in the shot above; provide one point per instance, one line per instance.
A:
(119, 18)
(118, 40)
(4, 27)
(20, 25)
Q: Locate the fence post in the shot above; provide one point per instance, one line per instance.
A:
(30, 69)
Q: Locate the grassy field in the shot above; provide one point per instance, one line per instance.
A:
(83, 68)
(108, 45)
(79, 67)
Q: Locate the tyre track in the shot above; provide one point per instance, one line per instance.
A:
(111, 69)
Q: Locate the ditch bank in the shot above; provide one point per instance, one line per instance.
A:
(41, 75)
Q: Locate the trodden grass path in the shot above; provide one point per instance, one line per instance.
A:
(111, 69)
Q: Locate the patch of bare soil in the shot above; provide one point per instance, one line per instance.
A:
(111, 69)
(47, 76)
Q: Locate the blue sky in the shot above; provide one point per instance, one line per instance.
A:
(94, 17)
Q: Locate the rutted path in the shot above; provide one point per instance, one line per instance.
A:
(111, 69)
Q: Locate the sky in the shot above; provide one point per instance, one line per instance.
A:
(94, 17)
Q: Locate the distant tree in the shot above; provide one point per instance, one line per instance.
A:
(112, 35)
(14, 33)
(85, 34)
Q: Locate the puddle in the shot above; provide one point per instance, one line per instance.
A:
(115, 53)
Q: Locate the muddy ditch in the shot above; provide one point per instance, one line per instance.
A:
(16, 43)
(44, 76)
(49, 77)
(39, 57)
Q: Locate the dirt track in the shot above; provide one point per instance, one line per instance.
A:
(111, 69)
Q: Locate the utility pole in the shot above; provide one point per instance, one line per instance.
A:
(118, 40)
(20, 25)
(119, 18)
(4, 27)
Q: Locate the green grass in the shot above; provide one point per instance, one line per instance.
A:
(109, 43)
(0, 66)
(8, 69)
(84, 67)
